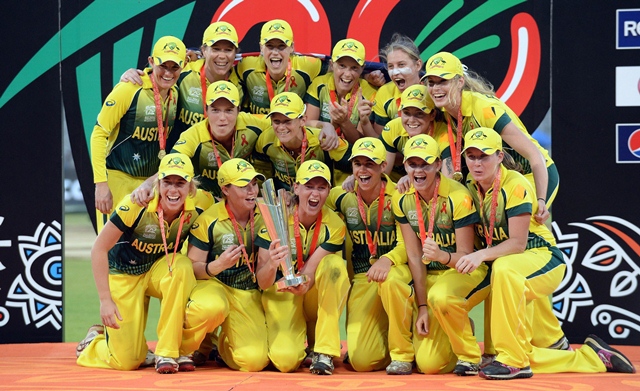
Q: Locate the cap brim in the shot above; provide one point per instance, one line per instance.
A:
(221, 97)
(264, 40)
(429, 159)
(360, 61)
(212, 41)
(482, 148)
(242, 182)
(179, 173)
(374, 159)
(180, 61)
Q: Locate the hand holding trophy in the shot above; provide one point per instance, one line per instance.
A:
(276, 219)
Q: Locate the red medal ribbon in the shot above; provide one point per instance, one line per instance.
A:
(354, 97)
(164, 237)
(162, 136)
(236, 228)
(286, 83)
(432, 212)
(215, 149)
(456, 148)
(372, 242)
(494, 206)
(314, 240)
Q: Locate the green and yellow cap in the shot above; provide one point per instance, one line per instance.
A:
(485, 139)
(223, 89)
(169, 48)
(311, 169)
(422, 146)
(220, 31)
(287, 103)
(276, 29)
(176, 164)
(370, 147)
(237, 172)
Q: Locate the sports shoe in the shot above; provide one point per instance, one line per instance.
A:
(499, 371)
(186, 364)
(487, 359)
(561, 344)
(465, 368)
(399, 368)
(92, 333)
(322, 364)
(198, 358)
(166, 365)
(149, 360)
(308, 360)
(613, 359)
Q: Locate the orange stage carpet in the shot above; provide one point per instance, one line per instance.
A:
(52, 366)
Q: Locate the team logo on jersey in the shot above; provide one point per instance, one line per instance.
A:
(412, 215)
(281, 165)
(124, 208)
(150, 110)
(150, 231)
(110, 102)
(228, 239)
(211, 157)
(352, 212)
(258, 94)
(195, 226)
(180, 142)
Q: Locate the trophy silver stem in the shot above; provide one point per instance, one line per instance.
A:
(275, 214)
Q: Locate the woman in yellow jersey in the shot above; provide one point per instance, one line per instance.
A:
(219, 49)
(381, 298)
(403, 62)
(526, 266)
(341, 97)
(127, 144)
(221, 247)
(437, 218)
(137, 255)
(313, 308)
(466, 98)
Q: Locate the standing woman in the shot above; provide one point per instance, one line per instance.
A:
(130, 135)
(221, 247)
(437, 218)
(526, 266)
(381, 298)
(312, 309)
(136, 255)
(403, 65)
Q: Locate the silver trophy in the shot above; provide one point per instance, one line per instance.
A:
(276, 218)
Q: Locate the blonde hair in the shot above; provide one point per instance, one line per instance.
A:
(402, 43)
(472, 82)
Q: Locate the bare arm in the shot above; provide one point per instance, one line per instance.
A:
(419, 274)
(107, 238)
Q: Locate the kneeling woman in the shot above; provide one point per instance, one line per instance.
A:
(437, 217)
(136, 255)
(221, 247)
(318, 233)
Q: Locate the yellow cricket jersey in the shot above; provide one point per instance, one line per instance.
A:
(516, 197)
(125, 137)
(252, 74)
(214, 233)
(454, 209)
(386, 104)
(141, 242)
(196, 143)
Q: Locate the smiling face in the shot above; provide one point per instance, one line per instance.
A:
(367, 172)
(288, 130)
(416, 121)
(276, 57)
(222, 116)
(166, 74)
(445, 93)
(312, 195)
(241, 200)
(346, 73)
(403, 70)
(173, 190)
(422, 174)
(219, 58)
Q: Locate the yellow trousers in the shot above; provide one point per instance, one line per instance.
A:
(379, 320)
(126, 348)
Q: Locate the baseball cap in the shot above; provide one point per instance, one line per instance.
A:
(485, 139)
(444, 65)
(417, 96)
(169, 48)
(176, 164)
(370, 147)
(276, 29)
(422, 146)
(220, 31)
(287, 103)
(222, 89)
(237, 172)
(349, 48)
(311, 169)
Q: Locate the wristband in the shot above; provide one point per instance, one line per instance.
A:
(421, 305)
(206, 269)
(543, 200)
(445, 264)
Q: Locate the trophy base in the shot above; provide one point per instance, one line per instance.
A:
(293, 280)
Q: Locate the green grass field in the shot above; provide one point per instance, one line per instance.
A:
(81, 307)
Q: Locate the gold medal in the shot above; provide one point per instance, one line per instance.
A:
(373, 259)
(425, 260)
(162, 154)
(457, 176)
